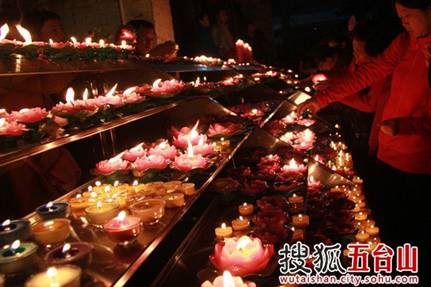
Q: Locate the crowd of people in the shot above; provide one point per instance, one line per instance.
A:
(394, 83)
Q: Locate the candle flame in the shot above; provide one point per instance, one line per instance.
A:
(194, 132)
(25, 34)
(98, 183)
(78, 196)
(85, 95)
(311, 180)
(129, 91)
(122, 215)
(241, 218)
(102, 43)
(116, 183)
(112, 91)
(70, 95)
(156, 83)
(135, 182)
(223, 225)
(74, 40)
(2, 122)
(239, 42)
(15, 245)
(123, 44)
(6, 222)
(189, 148)
(99, 204)
(4, 30)
(51, 272)
(88, 41)
(49, 204)
(228, 280)
(243, 242)
(107, 188)
(51, 41)
(66, 247)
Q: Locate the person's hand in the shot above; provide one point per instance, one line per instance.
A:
(309, 106)
(390, 127)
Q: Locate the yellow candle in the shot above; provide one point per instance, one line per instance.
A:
(223, 231)
(361, 216)
(362, 236)
(372, 230)
(174, 200)
(101, 213)
(188, 188)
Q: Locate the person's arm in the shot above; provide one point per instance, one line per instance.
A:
(367, 74)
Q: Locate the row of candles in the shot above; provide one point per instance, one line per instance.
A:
(108, 214)
(87, 43)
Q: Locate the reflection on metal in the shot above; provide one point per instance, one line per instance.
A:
(299, 97)
(326, 176)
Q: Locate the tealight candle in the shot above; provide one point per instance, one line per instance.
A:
(11, 230)
(300, 220)
(296, 199)
(370, 222)
(246, 209)
(362, 236)
(52, 231)
(223, 231)
(188, 188)
(101, 213)
(78, 204)
(77, 253)
(172, 186)
(372, 230)
(123, 228)
(61, 276)
(361, 216)
(18, 257)
(149, 210)
(174, 200)
(53, 210)
(240, 224)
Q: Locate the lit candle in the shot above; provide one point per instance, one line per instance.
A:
(223, 231)
(188, 188)
(297, 234)
(189, 161)
(228, 281)
(101, 213)
(293, 168)
(296, 199)
(17, 257)
(149, 210)
(52, 231)
(11, 230)
(61, 276)
(123, 228)
(174, 200)
(53, 210)
(361, 216)
(240, 224)
(246, 209)
(77, 253)
(300, 221)
(372, 230)
(362, 236)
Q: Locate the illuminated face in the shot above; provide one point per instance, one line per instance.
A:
(416, 21)
(361, 56)
(52, 29)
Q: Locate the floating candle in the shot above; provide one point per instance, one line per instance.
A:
(240, 224)
(77, 253)
(52, 231)
(123, 228)
(223, 231)
(17, 257)
(61, 276)
(246, 209)
(242, 256)
(149, 210)
(53, 210)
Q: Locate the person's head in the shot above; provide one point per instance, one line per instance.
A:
(415, 16)
(146, 38)
(204, 20)
(44, 25)
(222, 16)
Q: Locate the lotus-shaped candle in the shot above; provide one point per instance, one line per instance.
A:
(290, 118)
(131, 96)
(224, 130)
(189, 161)
(107, 167)
(150, 162)
(186, 134)
(135, 152)
(305, 140)
(84, 107)
(202, 148)
(11, 128)
(313, 184)
(293, 168)
(242, 256)
(227, 280)
(170, 87)
(164, 149)
(28, 116)
(254, 113)
(110, 98)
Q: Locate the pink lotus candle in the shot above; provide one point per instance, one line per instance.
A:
(123, 228)
(131, 96)
(164, 149)
(313, 184)
(293, 168)
(170, 87)
(228, 281)
(110, 98)
(112, 165)
(305, 140)
(11, 128)
(150, 162)
(290, 118)
(73, 105)
(202, 148)
(242, 256)
(186, 134)
(135, 152)
(28, 116)
(189, 161)
(226, 129)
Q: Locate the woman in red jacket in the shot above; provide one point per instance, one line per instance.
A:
(404, 142)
